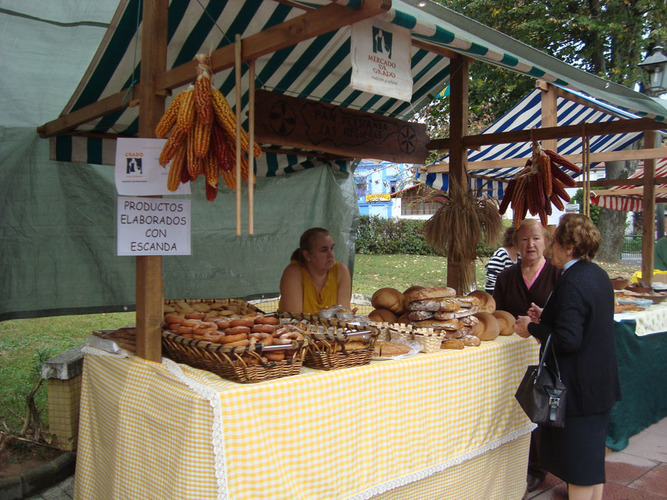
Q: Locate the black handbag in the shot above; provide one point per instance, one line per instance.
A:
(541, 393)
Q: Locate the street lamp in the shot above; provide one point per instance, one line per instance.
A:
(655, 65)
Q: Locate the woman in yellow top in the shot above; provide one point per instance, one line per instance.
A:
(313, 280)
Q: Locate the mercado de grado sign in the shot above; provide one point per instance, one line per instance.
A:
(315, 126)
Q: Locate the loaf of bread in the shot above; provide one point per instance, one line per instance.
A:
(388, 298)
(486, 301)
(429, 293)
(505, 321)
(382, 316)
(491, 326)
(448, 305)
(388, 349)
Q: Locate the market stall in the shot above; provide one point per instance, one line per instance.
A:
(431, 425)
(641, 347)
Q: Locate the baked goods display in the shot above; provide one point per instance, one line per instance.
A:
(458, 321)
(390, 349)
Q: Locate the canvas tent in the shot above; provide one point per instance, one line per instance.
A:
(630, 198)
(58, 222)
(525, 115)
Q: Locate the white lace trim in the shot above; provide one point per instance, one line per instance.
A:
(402, 481)
(213, 398)
(218, 432)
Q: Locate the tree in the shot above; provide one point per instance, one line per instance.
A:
(607, 39)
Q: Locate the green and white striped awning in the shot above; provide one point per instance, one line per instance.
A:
(318, 68)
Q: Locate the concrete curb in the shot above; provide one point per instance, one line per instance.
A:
(36, 480)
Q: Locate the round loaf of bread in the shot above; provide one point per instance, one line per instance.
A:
(382, 316)
(388, 298)
(505, 321)
(491, 326)
(441, 292)
(486, 301)
(408, 291)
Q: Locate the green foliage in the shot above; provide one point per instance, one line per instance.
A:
(607, 39)
(379, 236)
(595, 210)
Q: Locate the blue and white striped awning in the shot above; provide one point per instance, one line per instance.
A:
(318, 68)
(524, 116)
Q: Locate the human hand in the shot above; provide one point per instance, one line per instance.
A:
(521, 326)
(534, 312)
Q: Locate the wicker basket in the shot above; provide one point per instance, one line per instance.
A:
(236, 306)
(240, 364)
(326, 349)
(399, 331)
(429, 339)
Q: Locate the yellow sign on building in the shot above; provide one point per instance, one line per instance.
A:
(374, 198)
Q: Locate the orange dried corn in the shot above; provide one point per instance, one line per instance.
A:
(186, 113)
(175, 141)
(168, 119)
(227, 120)
(203, 89)
(202, 133)
(211, 192)
(210, 169)
(193, 163)
(220, 148)
(545, 171)
(176, 170)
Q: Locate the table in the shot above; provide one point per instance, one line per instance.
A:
(641, 351)
(442, 425)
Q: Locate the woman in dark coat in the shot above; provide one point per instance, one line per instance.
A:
(579, 316)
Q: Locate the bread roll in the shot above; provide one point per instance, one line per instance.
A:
(491, 326)
(505, 321)
(452, 344)
(382, 315)
(388, 298)
(486, 301)
(430, 293)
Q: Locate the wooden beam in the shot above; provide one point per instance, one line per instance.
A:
(149, 295)
(648, 221)
(601, 128)
(309, 25)
(458, 154)
(549, 114)
(629, 154)
(436, 49)
(88, 113)
(638, 191)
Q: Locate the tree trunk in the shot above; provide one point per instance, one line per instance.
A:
(612, 222)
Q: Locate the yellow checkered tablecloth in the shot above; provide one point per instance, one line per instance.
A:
(151, 430)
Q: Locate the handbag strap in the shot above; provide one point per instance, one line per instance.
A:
(543, 357)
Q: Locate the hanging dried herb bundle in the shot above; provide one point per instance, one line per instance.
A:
(458, 225)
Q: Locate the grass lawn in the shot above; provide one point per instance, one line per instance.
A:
(26, 343)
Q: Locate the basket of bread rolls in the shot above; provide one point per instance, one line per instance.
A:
(232, 339)
(333, 344)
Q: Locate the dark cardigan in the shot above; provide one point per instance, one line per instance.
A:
(512, 295)
(580, 317)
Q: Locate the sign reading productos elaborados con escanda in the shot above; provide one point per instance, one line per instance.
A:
(153, 226)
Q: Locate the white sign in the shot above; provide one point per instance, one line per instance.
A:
(138, 172)
(153, 226)
(380, 55)
(572, 207)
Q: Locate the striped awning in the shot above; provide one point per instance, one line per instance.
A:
(633, 202)
(524, 116)
(318, 68)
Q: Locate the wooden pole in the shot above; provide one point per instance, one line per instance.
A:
(251, 147)
(458, 156)
(237, 68)
(648, 229)
(149, 295)
(549, 112)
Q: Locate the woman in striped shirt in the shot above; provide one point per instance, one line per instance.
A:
(502, 258)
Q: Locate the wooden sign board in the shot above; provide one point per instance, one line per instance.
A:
(316, 126)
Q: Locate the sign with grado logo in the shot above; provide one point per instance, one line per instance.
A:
(317, 126)
(375, 198)
(380, 54)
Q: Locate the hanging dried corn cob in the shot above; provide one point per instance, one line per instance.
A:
(540, 184)
(202, 129)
